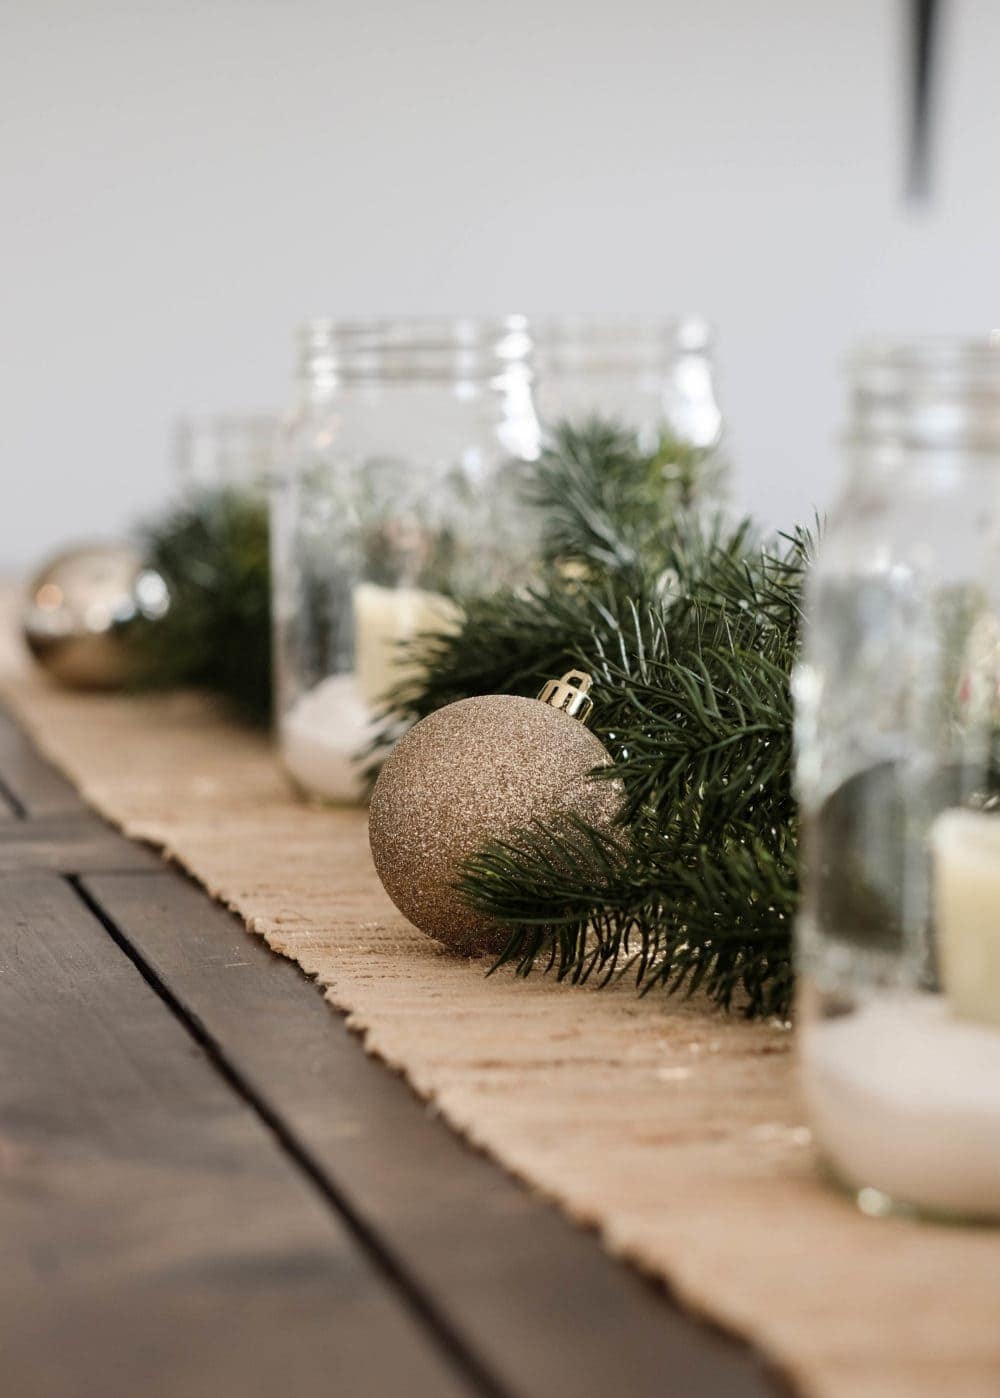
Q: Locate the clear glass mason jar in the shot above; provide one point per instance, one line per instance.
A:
(231, 451)
(898, 699)
(399, 485)
(650, 375)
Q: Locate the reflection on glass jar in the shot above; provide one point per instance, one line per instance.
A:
(400, 486)
(897, 717)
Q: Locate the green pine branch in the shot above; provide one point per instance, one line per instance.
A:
(606, 504)
(690, 630)
(212, 551)
(698, 886)
(621, 529)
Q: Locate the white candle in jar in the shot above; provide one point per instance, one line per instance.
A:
(383, 618)
(966, 846)
(325, 734)
(904, 1090)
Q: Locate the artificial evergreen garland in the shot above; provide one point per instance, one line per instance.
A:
(690, 631)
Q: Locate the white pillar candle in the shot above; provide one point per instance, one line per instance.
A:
(386, 616)
(966, 846)
(327, 730)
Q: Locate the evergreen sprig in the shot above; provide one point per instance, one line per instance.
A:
(690, 630)
(698, 885)
(212, 551)
(621, 527)
(604, 501)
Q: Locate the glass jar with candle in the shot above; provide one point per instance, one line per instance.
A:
(898, 701)
(399, 487)
(653, 376)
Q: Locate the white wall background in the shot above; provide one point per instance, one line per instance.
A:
(183, 180)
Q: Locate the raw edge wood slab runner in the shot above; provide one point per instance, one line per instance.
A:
(673, 1131)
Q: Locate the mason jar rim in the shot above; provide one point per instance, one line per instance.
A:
(420, 332)
(933, 392)
(374, 347)
(927, 354)
(433, 346)
(684, 333)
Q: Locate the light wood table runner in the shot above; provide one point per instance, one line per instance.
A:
(674, 1131)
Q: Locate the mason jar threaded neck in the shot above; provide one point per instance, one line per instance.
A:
(603, 344)
(937, 394)
(456, 349)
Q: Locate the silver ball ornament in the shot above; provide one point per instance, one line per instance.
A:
(479, 770)
(80, 608)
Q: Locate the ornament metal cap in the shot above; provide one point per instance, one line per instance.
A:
(571, 694)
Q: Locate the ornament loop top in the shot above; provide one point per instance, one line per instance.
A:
(571, 694)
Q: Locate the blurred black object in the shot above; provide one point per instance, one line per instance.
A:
(924, 30)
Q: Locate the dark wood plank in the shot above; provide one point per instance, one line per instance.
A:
(74, 844)
(550, 1313)
(36, 788)
(156, 1238)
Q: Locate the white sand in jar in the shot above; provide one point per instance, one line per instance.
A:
(322, 736)
(905, 1099)
(325, 733)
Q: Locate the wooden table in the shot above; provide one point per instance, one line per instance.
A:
(209, 1190)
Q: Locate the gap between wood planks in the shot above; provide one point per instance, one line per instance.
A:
(375, 1249)
(16, 809)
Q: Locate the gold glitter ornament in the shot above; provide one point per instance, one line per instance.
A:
(480, 770)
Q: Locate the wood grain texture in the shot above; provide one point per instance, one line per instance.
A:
(156, 1239)
(549, 1312)
(69, 844)
(35, 787)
